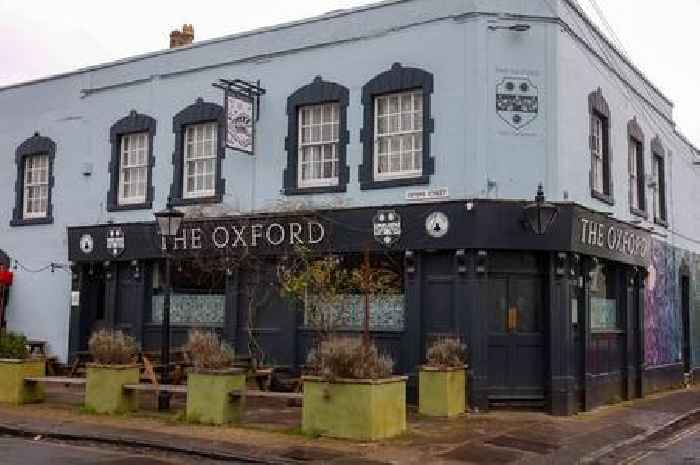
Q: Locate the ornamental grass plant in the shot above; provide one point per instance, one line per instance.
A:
(446, 353)
(13, 346)
(348, 358)
(206, 352)
(112, 347)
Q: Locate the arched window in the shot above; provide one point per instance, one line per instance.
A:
(34, 184)
(317, 139)
(199, 152)
(397, 129)
(131, 163)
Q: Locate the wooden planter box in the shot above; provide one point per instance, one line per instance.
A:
(441, 392)
(104, 391)
(364, 410)
(209, 398)
(13, 389)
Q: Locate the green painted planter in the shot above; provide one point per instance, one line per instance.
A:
(13, 389)
(209, 400)
(104, 392)
(441, 392)
(364, 410)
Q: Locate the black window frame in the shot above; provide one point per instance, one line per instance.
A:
(635, 135)
(200, 112)
(131, 124)
(319, 92)
(658, 152)
(598, 106)
(397, 79)
(35, 145)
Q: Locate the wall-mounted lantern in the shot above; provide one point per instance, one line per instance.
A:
(540, 215)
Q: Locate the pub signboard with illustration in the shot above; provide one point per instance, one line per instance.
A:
(240, 122)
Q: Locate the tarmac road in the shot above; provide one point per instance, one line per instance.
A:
(14, 451)
(683, 448)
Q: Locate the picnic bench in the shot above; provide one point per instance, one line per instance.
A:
(57, 380)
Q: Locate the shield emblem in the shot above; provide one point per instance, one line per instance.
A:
(115, 241)
(387, 227)
(517, 101)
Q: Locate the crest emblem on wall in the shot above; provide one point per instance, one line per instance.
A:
(387, 227)
(115, 241)
(86, 244)
(437, 224)
(517, 101)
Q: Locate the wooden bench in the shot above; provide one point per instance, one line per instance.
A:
(57, 380)
(268, 394)
(173, 388)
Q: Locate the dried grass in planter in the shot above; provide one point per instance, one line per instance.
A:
(349, 358)
(109, 347)
(206, 352)
(446, 353)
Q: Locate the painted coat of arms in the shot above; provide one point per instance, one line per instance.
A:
(387, 227)
(115, 241)
(517, 101)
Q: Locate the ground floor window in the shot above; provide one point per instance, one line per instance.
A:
(604, 312)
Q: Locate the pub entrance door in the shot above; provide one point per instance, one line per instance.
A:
(516, 341)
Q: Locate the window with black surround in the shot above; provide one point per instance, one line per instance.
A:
(397, 129)
(317, 139)
(635, 164)
(599, 144)
(658, 166)
(199, 152)
(131, 163)
(34, 184)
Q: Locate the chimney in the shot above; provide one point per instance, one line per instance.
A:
(184, 37)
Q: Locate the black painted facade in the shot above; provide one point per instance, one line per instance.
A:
(521, 302)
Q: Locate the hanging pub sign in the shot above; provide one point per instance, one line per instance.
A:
(242, 106)
(240, 122)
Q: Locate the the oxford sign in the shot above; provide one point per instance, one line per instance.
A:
(596, 235)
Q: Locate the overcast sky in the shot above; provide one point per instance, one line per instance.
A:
(43, 37)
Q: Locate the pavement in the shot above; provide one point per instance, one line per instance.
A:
(270, 434)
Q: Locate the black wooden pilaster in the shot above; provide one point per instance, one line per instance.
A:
(477, 290)
(560, 347)
(411, 340)
(587, 376)
(231, 308)
(74, 328)
(111, 280)
(630, 343)
(642, 364)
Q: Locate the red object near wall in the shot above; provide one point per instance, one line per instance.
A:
(6, 278)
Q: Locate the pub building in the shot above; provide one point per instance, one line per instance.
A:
(347, 136)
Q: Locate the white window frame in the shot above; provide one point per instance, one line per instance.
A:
(42, 184)
(401, 132)
(597, 154)
(130, 151)
(655, 165)
(199, 160)
(633, 168)
(325, 145)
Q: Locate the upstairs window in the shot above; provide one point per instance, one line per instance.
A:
(635, 166)
(199, 154)
(133, 175)
(599, 145)
(396, 136)
(398, 143)
(34, 159)
(131, 163)
(36, 186)
(318, 145)
(659, 190)
(200, 160)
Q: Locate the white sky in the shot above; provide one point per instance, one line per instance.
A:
(43, 37)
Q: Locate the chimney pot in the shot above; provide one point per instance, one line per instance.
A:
(178, 38)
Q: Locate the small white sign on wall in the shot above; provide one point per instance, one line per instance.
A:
(75, 298)
(427, 194)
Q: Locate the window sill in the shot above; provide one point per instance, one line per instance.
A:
(605, 198)
(32, 221)
(640, 213)
(130, 206)
(396, 182)
(196, 201)
(315, 190)
(661, 222)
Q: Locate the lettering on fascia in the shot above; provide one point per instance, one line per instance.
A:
(250, 235)
(613, 237)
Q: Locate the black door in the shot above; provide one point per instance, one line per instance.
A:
(516, 355)
(685, 309)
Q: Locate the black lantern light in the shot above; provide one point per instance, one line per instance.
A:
(169, 221)
(540, 215)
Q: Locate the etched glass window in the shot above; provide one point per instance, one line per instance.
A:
(604, 316)
(133, 164)
(200, 160)
(318, 145)
(398, 135)
(36, 186)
